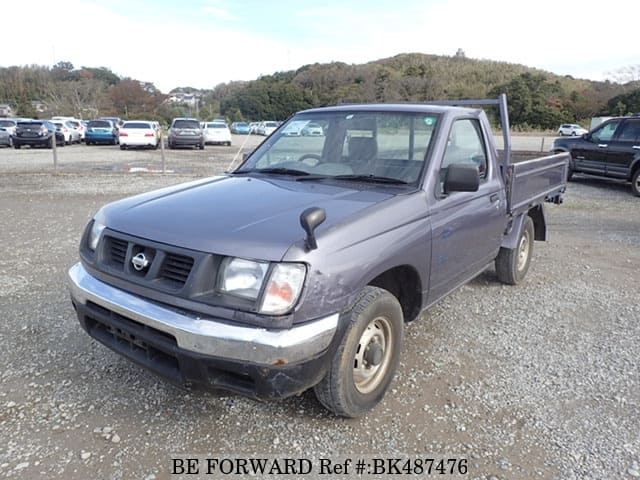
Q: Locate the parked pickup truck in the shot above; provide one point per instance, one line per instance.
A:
(298, 269)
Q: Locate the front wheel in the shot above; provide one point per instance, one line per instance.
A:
(512, 264)
(365, 362)
(635, 183)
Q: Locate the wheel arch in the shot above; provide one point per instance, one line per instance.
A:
(510, 240)
(404, 283)
(635, 166)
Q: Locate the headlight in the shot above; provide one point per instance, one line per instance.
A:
(248, 279)
(242, 277)
(94, 235)
(283, 288)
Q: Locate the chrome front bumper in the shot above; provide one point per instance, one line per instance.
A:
(208, 336)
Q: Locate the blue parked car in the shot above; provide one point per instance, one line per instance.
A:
(101, 131)
(240, 128)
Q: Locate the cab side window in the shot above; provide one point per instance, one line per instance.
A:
(465, 145)
(605, 133)
(630, 131)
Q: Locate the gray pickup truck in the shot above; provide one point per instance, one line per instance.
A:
(298, 269)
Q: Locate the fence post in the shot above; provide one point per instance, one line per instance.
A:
(542, 145)
(164, 170)
(54, 148)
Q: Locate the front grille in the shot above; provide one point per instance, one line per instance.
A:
(118, 251)
(176, 268)
(166, 267)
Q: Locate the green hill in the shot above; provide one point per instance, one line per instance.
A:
(537, 99)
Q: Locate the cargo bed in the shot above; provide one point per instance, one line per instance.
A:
(531, 182)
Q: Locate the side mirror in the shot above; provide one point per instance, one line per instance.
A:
(309, 220)
(462, 177)
(585, 136)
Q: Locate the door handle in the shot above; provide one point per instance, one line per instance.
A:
(602, 145)
(637, 147)
(494, 198)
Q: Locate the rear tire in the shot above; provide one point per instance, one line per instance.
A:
(17, 147)
(123, 147)
(512, 264)
(635, 183)
(366, 360)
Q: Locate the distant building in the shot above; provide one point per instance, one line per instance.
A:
(190, 99)
(39, 106)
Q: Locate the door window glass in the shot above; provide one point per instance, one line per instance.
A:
(605, 133)
(630, 131)
(465, 145)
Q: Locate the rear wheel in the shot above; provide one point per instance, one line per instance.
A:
(569, 173)
(635, 183)
(123, 147)
(512, 264)
(365, 362)
(17, 147)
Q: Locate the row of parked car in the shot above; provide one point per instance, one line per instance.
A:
(113, 130)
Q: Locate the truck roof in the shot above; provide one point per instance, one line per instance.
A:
(392, 107)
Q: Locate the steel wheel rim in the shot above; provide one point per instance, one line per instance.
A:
(523, 251)
(366, 376)
(637, 184)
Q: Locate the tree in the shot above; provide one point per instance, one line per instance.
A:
(132, 98)
(625, 104)
(533, 100)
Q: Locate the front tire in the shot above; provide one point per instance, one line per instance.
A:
(366, 360)
(512, 264)
(635, 183)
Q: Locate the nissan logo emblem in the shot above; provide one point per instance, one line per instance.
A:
(140, 262)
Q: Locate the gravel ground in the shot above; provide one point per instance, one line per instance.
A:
(535, 381)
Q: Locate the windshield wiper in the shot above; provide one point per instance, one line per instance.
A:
(276, 170)
(371, 178)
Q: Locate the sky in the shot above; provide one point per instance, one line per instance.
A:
(201, 43)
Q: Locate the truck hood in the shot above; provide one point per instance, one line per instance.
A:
(239, 216)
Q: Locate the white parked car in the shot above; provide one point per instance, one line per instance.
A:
(79, 127)
(71, 135)
(312, 130)
(138, 133)
(217, 132)
(9, 125)
(267, 128)
(571, 129)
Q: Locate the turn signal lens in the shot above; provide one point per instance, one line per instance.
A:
(283, 288)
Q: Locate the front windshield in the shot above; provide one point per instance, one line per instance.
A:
(384, 145)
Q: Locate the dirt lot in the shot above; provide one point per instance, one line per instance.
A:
(536, 381)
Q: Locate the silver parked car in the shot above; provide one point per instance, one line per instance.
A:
(6, 138)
